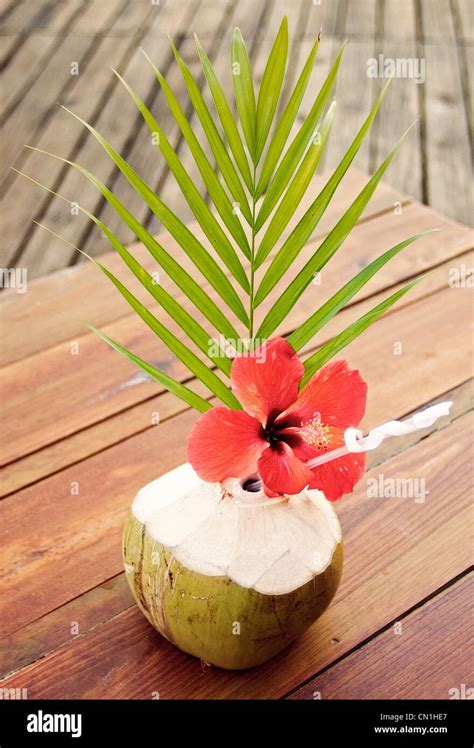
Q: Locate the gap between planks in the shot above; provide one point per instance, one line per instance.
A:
(370, 647)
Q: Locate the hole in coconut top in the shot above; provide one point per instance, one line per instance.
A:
(252, 484)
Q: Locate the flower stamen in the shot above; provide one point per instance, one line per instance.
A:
(315, 433)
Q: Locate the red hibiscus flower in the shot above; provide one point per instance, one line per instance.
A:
(281, 428)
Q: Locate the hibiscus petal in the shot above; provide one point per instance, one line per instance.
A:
(225, 443)
(335, 394)
(266, 380)
(281, 471)
(338, 477)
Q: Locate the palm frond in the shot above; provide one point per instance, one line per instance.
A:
(226, 117)
(324, 354)
(325, 251)
(244, 91)
(270, 88)
(203, 215)
(332, 306)
(295, 151)
(172, 385)
(181, 351)
(172, 268)
(223, 160)
(285, 124)
(216, 191)
(259, 176)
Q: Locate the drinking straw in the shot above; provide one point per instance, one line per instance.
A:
(355, 441)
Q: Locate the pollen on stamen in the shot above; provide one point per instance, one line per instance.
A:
(315, 433)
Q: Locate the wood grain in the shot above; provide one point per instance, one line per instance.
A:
(412, 668)
(24, 202)
(433, 164)
(448, 152)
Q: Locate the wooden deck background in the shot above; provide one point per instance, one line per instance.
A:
(43, 39)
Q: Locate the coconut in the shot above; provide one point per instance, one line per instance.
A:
(227, 574)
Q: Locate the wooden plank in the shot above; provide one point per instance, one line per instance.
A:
(84, 536)
(383, 546)
(7, 7)
(464, 34)
(116, 117)
(73, 619)
(353, 89)
(446, 125)
(143, 156)
(53, 84)
(414, 666)
(24, 201)
(37, 47)
(83, 292)
(400, 108)
(304, 18)
(18, 21)
(68, 400)
(101, 603)
(463, 8)
(142, 416)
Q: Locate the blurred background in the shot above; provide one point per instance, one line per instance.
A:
(61, 52)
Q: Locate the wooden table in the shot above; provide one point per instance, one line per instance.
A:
(43, 38)
(79, 441)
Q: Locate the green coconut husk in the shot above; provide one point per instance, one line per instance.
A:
(212, 616)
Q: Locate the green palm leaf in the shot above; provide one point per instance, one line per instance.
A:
(295, 191)
(324, 354)
(226, 117)
(243, 91)
(206, 220)
(294, 153)
(301, 233)
(184, 320)
(178, 275)
(179, 231)
(180, 350)
(326, 312)
(285, 124)
(223, 160)
(216, 192)
(176, 388)
(325, 251)
(270, 88)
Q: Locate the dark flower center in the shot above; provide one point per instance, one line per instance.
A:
(293, 432)
(274, 432)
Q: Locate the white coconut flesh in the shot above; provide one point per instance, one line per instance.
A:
(273, 546)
